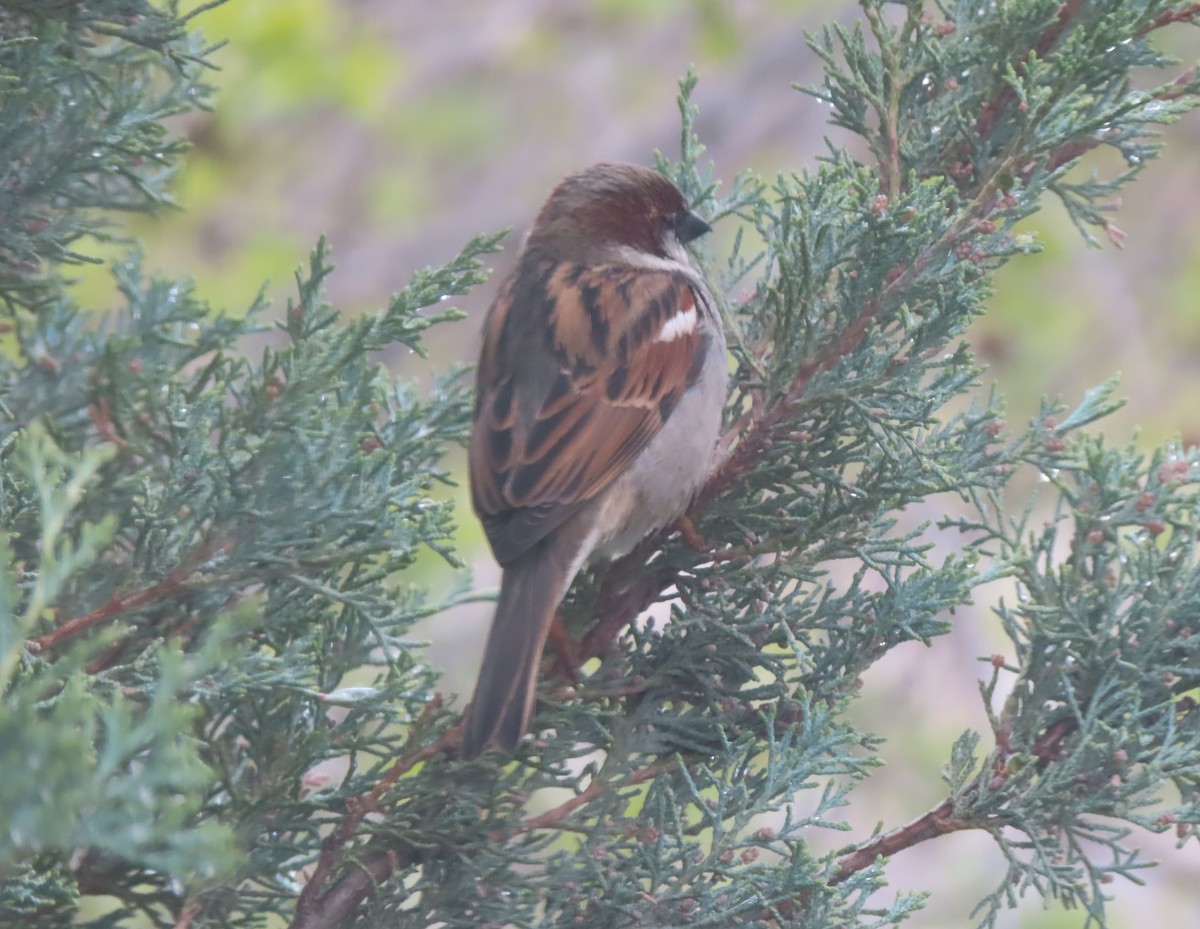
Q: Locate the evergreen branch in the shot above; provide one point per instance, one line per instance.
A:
(316, 909)
(888, 108)
(943, 818)
(1070, 152)
(755, 436)
(320, 910)
(353, 887)
(937, 822)
(173, 584)
(627, 590)
(1186, 14)
(556, 818)
(1006, 96)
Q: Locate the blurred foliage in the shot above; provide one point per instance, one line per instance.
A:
(83, 101)
(285, 63)
(294, 56)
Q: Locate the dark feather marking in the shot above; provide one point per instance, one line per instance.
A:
(528, 477)
(546, 427)
(524, 479)
(698, 356)
(570, 490)
(623, 348)
(500, 447)
(661, 308)
(502, 401)
(560, 441)
(550, 334)
(562, 387)
(641, 328)
(590, 297)
(547, 271)
(616, 383)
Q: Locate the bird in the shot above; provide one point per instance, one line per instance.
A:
(599, 394)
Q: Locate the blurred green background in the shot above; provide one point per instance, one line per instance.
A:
(399, 129)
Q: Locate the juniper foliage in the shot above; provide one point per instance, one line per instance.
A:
(213, 715)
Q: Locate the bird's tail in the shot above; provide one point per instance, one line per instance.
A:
(530, 591)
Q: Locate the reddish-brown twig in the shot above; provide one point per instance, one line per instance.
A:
(938, 821)
(172, 584)
(1186, 14)
(349, 890)
(628, 588)
(941, 820)
(188, 912)
(357, 808)
(556, 818)
(1077, 148)
(1005, 97)
(102, 419)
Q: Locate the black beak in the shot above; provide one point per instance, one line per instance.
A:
(689, 227)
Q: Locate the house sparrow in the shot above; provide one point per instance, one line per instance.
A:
(599, 395)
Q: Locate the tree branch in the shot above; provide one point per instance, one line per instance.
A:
(312, 903)
(940, 820)
(1005, 97)
(316, 910)
(1185, 14)
(174, 583)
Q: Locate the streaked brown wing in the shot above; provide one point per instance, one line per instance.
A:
(557, 424)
